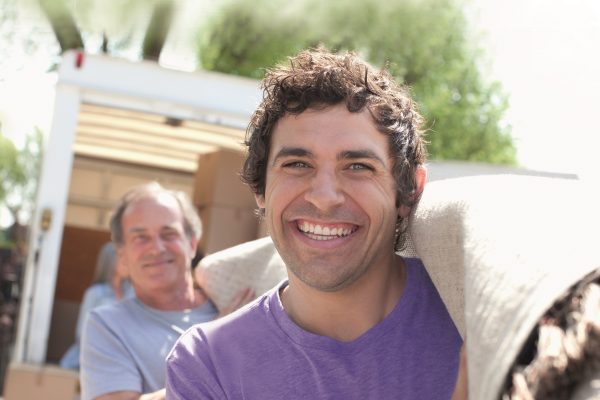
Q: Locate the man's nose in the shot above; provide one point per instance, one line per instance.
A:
(157, 244)
(325, 190)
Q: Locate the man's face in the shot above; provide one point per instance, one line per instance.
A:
(330, 197)
(156, 250)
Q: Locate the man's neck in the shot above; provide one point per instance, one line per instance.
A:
(346, 314)
(173, 299)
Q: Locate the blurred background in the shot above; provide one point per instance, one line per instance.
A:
(507, 86)
(512, 82)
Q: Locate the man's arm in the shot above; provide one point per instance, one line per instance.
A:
(106, 366)
(127, 395)
(190, 371)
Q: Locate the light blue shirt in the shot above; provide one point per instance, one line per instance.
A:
(124, 345)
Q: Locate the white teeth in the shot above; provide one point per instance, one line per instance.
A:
(319, 232)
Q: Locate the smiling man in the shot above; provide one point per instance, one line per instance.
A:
(335, 160)
(124, 345)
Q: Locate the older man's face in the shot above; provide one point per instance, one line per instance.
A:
(156, 250)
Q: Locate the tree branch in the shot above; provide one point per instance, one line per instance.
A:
(158, 28)
(62, 22)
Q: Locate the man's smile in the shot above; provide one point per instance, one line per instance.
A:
(322, 231)
(158, 262)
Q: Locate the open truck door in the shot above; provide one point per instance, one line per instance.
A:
(193, 113)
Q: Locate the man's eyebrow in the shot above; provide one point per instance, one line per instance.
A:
(291, 152)
(358, 154)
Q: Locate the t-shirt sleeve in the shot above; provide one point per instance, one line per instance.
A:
(190, 371)
(91, 299)
(106, 364)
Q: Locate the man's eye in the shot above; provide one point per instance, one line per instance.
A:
(140, 238)
(360, 166)
(169, 235)
(295, 164)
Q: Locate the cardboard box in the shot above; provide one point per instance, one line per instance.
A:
(225, 226)
(34, 382)
(217, 181)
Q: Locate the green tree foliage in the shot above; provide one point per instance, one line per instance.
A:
(110, 26)
(63, 24)
(425, 44)
(244, 37)
(19, 173)
(10, 173)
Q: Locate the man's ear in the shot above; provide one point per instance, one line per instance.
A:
(420, 178)
(194, 245)
(121, 258)
(121, 268)
(260, 200)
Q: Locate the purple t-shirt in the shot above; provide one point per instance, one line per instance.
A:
(260, 353)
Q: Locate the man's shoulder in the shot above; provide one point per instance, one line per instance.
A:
(413, 262)
(415, 267)
(252, 314)
(97, 288)
(241, 325)
(121, 308)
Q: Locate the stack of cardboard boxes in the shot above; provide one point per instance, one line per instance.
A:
(225, 204)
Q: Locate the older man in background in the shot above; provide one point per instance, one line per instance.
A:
(124, 346)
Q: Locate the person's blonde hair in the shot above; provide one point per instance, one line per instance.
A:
(106, 264)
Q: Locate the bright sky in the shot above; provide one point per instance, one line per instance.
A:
(545, 53)
(547, 56)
